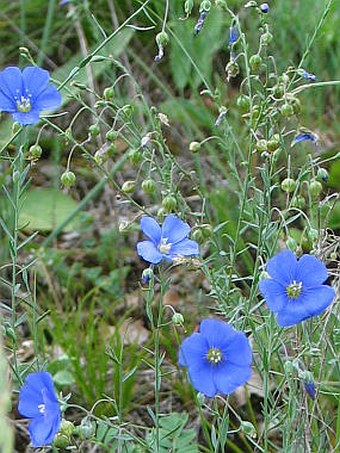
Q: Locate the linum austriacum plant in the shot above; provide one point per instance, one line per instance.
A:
(203, 352)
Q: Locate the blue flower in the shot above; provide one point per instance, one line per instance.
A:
(264, 7)
(295, 290)
(38, 401)
(218, 358)
(26, 93)
(310, 388)
(233, 35)
(309, 136)
(167, 242)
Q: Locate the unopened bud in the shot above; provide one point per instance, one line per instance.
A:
(291, 243)
(111, 135)
(322, 174)
(35, 152)
(147, 275)
(135, 156)
(266, 38)
(128, 186)
(108, 93)
(178, 319)
(288, 185)
(287, 110)
(261, 145)
(94, 130)
(194, 147)
(149, 186)
(243, 103)
(87, 428)
(169, 203)
(247, 428)
(273, 143)
(315, 188)
(68, 179)
(255, 62)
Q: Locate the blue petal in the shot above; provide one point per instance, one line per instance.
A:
(293, 313)
(11, 83)
(7, 104)
(151, 229)
(49, 99)
(238, 351)
(309, 76)
(29, 401)
(201, 378)
(186, 247)
(35, 80)
(303, 137)
(274, 294)
(317, 299)
(311, 271)
(217, 333)
(44, 429)
(37, 381)
(27, 118)
(228, 377)
(193, 351)
(174, 229)
(233, 35)
(282, 267)
(149, 253)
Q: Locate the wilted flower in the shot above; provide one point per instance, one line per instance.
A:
(309, 76)
(310, 388)
(309, 136)
(167, 242)
(26, 93)
(264, 7)
(218, 358)
(38, 401)
(200, 22)
(295, 290)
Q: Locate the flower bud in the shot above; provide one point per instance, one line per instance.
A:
(178, 319)
(149, 186)
(15, 127)
(194, 147)
(312, 234)
(264, 8)
(266, 38)
(169, 203)
(247, 428)
(128, 186)
(291, 243)
(108, 93)
(147, 275)
(255, 62)
(66, 428)
(273, 143)
(35, 152)
(68, 179)
(127, 110)
(278, 90)
(261, 145)
(315, 188)
(288, 185)
(243, 103)
(162, 39)
(87, 428)
(61, 441)
(295, 103)
(287, 110)
(111, 135)
(135, 156)
(322, 174)
(298, 202)
(94, 130)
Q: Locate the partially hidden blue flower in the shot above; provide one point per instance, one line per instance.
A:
(26, 93)
(295, 290)
(305, 136)
(218, 358)
(233, 35)
(310, 388)
(64, 2)
(167, 242)
(309, 76)
(38, 401)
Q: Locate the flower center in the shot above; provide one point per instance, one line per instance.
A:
(23, 104)
(164, 246)
(294, 290)
(41, 408)
(214, 356)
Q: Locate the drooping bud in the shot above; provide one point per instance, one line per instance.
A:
(94, 130)
(68, 179)
(178, 319)
(169, 203)
(149, 186)
(288, 185)
(194, 147)
(111, 135)
(108, 93)
(287, 110)
(35, 152)
(243, 103)
(128, 186)
(247, 428)
(255, 62)
(135, 156)
(315, 188)
(322, 174)
(162, 39)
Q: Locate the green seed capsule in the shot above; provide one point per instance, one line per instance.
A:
(291, 243)
(287, 110)
(111, 135)
(255, 62)
(149, 186)
(288, 185)
(108, 93)
(261, 145)
(68, 179)
(315, 188)
(35, 152)
(135, 156)
(169, 203)
(94, 130)
(194, 147)
(273, 143)
(243, 103)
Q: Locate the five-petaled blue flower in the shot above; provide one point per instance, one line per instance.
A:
(218, 358)
(26, 93)
(167, 242)
(38, 401)
(295, 290)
